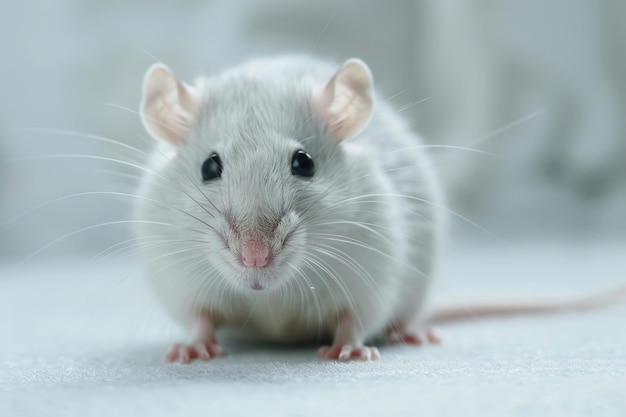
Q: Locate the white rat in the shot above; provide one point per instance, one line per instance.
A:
(286, 200)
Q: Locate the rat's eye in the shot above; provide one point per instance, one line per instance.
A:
(212, 167)
(302, 164)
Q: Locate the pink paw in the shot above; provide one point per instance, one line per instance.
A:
(347, 352)
(200, 350)
(413, 338)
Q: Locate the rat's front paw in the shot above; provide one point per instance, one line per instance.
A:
(199, 350)
(347, 352)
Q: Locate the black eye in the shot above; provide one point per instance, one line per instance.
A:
(302, 164)
(212, 167)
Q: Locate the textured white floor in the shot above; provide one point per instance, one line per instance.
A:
(80, 340)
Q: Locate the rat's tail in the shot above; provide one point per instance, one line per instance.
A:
(470, 312)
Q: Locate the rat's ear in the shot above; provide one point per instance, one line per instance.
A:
(345, 102)
(168, 107)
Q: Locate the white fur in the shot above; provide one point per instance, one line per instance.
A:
(355, 243)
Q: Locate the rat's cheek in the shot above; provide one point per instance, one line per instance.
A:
(289, 226)
(225, 235)
(221, 250)
(294, 250)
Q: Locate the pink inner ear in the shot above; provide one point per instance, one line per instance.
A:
(169, 107)
(179, 112)
(330, 108)
(345, 103)
(323, 98)
(344, 109)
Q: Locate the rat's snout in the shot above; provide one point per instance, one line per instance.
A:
(255, 252)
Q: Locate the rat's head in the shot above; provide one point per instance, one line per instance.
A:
(254, 156)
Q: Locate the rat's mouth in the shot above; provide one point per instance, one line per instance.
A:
(258, 280)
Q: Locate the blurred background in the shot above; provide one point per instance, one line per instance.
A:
(542, 84)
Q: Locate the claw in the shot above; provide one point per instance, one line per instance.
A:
(347, 352)
(200, 350)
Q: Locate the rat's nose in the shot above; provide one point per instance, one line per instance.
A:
(255, 252)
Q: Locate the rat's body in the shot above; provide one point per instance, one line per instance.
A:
(350, 250)
(289, 202)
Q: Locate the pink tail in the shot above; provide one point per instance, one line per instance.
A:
(477, 311)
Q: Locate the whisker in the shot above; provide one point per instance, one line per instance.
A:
(123, 245)
(428, 202)
(508, 126)
(351, 264)
(332, 274)
(321, 35)
(108, 193)
(356, 242)
(395, 95)
(135, 179)
(145, 51)
(409, 105)
(78, 134)
(87, 228)
(459, 148)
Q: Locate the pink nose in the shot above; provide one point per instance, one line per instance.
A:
(255, 252)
